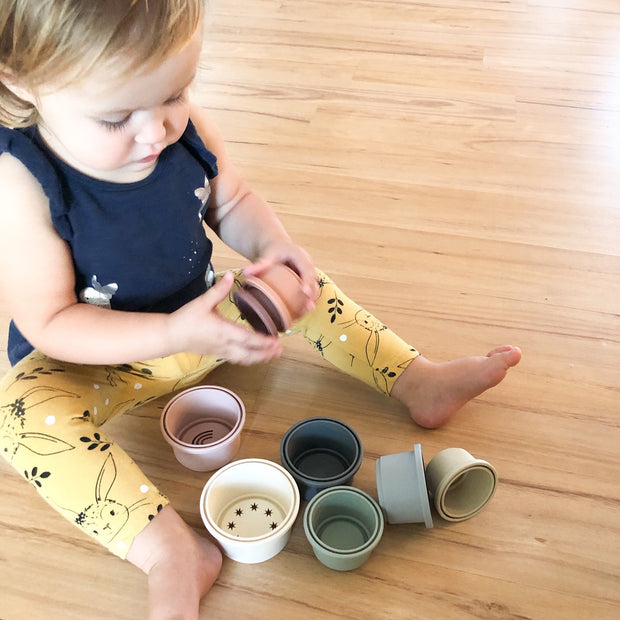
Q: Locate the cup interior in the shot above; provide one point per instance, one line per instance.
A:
(203, 416)
(250, 499)
(321, 449)
(343, 520)
(467, 491)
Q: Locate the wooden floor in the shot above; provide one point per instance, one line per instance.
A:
(454, 165)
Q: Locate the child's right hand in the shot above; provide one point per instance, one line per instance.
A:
(198, 327)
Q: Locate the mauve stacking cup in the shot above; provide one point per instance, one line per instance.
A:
(203, 426)
(272, 301)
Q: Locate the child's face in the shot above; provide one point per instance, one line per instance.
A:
(116, 131)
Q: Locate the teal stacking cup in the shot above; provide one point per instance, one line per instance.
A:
(319, 453)
(401, 486)
(343, 526)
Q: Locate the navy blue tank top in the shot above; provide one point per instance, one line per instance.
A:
(136, 246)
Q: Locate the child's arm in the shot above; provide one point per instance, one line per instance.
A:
(38, 289)
(243, 220)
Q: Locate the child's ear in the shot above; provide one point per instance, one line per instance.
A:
(13, 84)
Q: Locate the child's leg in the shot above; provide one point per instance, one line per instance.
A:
(181, 566)
(359, 344)
(50, 413)
(354, 340)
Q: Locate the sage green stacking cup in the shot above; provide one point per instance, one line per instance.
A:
(343, 525)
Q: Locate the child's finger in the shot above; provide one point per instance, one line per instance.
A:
(258, 267)
(220, 290)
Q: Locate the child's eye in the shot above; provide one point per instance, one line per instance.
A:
(114, 125)
(180, 98)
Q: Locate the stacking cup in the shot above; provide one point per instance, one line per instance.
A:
(319, 453)
(401, 486)
(459, 484)
(249, 507)
(203, 426)
(343, 525)
(272, 301)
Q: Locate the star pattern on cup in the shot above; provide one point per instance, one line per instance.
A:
(254, 507)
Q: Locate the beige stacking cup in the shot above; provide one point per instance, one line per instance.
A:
(459, 484)
(249, 507)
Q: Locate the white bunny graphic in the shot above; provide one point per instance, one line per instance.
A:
(203, 193)
(98, 294)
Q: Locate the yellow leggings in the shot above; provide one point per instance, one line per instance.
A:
(51, 411)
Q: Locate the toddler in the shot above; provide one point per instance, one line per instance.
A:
(108, 175)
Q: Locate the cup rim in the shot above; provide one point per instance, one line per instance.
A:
(373, 538)
(223, 440)
(281, 528)
(274, 297)
(316, 481)
(248, 304)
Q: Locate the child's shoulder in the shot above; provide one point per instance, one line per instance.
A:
(17, 140)
(20, 190)
(25, 172)
(20, 153)
(14, 174)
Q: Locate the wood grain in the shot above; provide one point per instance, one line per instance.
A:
(454, 166)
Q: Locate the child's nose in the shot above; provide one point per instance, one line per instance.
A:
(153, 128)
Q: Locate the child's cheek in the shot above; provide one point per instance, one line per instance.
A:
(107, 151)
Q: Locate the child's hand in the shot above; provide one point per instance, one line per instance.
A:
(199, 328)
(297, 259)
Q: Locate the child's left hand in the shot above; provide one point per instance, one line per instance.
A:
(296, 258)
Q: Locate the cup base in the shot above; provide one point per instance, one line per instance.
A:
(401, 487)
(203, 432)
(321, 463)
(343, 532)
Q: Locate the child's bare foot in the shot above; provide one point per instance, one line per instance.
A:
(181, 566)
(434, 392)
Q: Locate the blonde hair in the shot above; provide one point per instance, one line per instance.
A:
(47, 41)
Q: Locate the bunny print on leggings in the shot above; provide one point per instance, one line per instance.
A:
(105, 517)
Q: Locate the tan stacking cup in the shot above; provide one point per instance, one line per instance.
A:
(459, 484)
